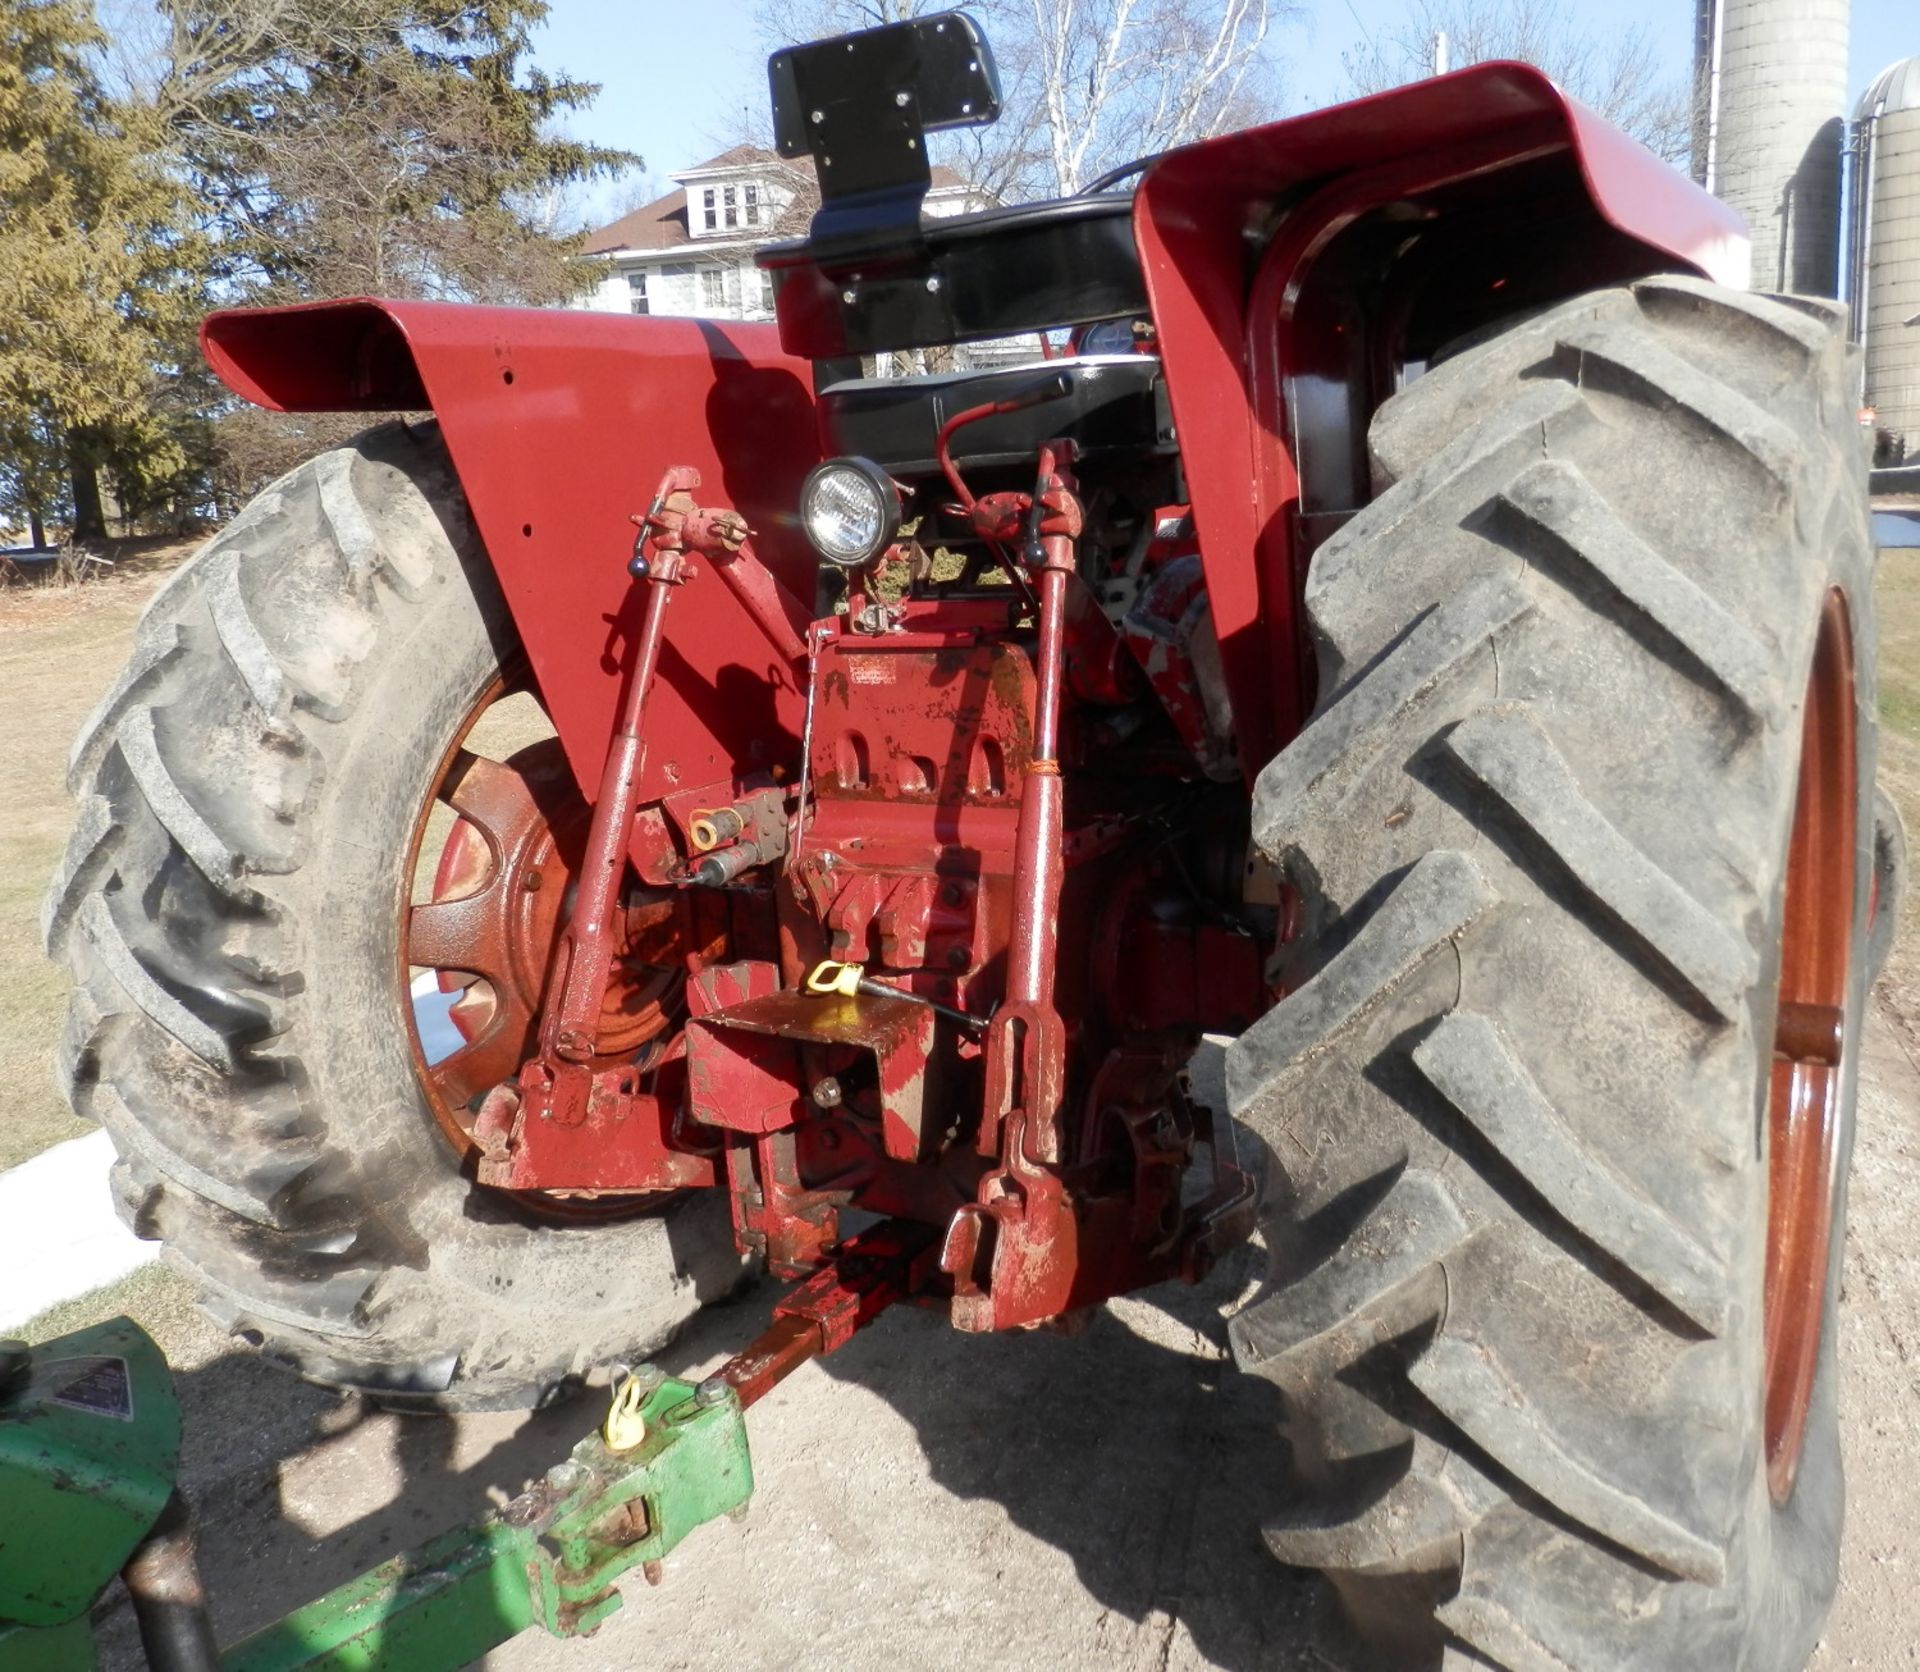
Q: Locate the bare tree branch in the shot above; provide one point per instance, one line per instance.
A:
(1615, 73)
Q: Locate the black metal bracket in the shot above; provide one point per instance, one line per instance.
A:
(861, 105)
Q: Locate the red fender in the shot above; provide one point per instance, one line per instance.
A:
(1295, 269)
(561, 424)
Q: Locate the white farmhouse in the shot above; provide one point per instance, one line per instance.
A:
(690, 253)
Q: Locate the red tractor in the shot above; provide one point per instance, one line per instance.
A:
(691, 806)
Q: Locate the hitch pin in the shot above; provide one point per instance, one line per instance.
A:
(849, 979)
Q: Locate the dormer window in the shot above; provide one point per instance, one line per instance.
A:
(730, 208)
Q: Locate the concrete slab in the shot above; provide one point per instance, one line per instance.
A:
(59, 1234)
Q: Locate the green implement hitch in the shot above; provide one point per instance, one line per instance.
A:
(89, 1441)
(551, 1556)
(90, 1448)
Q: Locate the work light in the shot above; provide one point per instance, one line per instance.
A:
(851, 511)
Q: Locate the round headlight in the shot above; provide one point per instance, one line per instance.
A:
(851, 511)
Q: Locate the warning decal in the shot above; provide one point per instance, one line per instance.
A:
(99, 1386)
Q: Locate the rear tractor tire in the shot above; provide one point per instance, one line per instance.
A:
(232, 909)
(1562, 1108)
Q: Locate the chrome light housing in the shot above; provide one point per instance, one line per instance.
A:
(850, 510)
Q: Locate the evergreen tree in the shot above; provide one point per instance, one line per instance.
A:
(98, 274)
(256, 150)
(393, 147)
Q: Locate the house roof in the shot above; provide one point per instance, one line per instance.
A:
(662, 224)
(735, 156)
(653, 226)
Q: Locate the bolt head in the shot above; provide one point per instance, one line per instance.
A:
(713, 1391)
(900, 99)
(564, 1477)
(819, 116)
(846, 296)
(933, 284)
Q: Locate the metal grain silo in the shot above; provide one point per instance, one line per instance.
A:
(1773, 84)
(1884, 252)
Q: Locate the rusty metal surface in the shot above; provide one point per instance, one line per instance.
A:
(492, 927)
(964, 824)
(1820, 921)
(869, 1273)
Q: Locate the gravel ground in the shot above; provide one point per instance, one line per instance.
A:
(928, 1499)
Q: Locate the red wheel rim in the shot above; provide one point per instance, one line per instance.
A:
(1804, 1110)
(501, 883)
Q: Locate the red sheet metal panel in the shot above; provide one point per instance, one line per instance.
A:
(1229, 231)
(560, 423)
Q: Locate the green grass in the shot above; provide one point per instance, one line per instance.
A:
(158, 1298)
(60, 650)
(1899, 598)
(58, 655)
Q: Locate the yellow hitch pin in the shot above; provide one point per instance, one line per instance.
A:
(625, 1426)
(851, 980)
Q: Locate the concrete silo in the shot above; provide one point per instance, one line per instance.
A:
(1771, 133)
(1884, 248)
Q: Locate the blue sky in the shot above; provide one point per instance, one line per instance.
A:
(679, 79)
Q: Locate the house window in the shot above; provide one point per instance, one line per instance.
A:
(750, 198)
(729, 198)
(637, 291)
(766, 293)
(713, 287)
(709, 211)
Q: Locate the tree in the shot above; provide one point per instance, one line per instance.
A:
(1086, 85)
(347, 147)
(98, 275)
(393, 146)
(1614, 72)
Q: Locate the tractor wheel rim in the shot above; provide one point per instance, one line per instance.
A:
(501, 885)
(1805, 1113)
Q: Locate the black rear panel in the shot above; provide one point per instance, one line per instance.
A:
(1034, 267)
(1112, 405)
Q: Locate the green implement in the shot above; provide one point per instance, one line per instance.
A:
(550, 1557)
(89, 1444)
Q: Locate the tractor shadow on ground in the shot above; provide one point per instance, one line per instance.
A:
(1134, 1448)
(1137, 1449)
